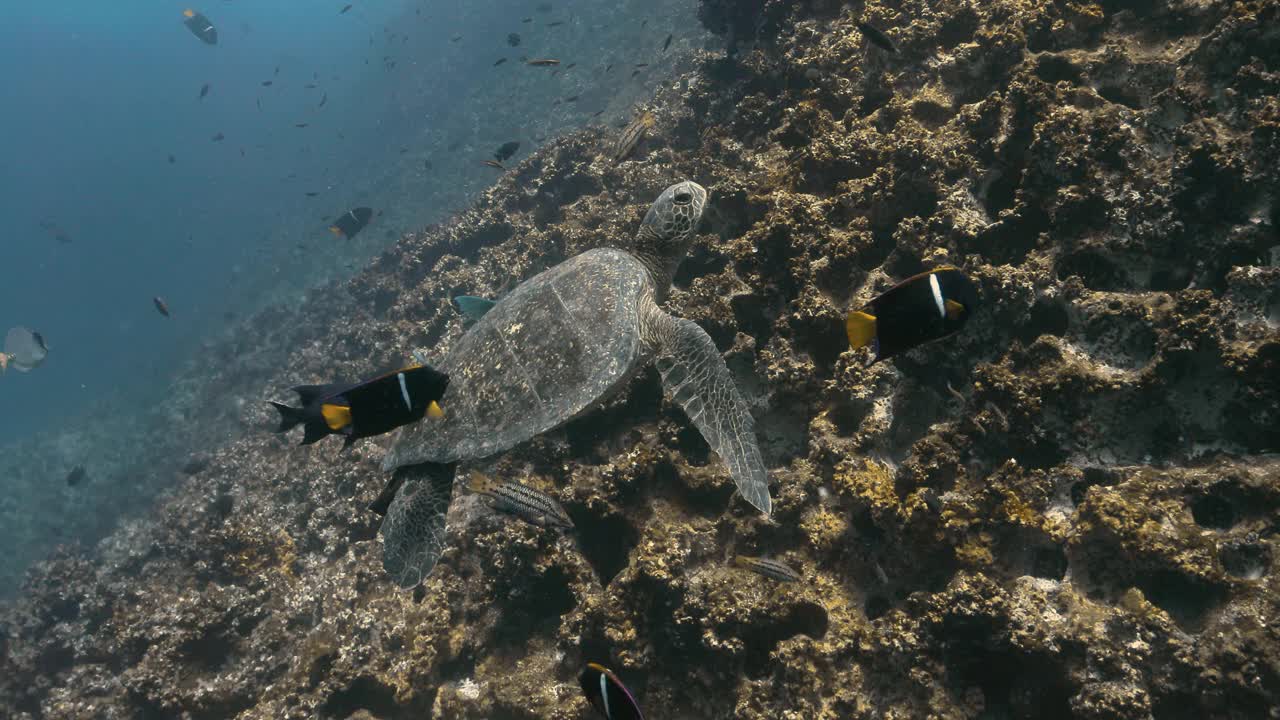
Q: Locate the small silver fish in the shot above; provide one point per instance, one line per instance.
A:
(771, 569)
(520, 500)
(631, 136)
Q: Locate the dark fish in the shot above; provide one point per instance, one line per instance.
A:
(631, 136)
(513, 39)
(499, 62)
(570, 66)
(608, 67)
(493, 164)
(218, 137)
(642, 65)
(522, 501)
(266, 83)
(543, 62)
(204, 90)
(258, 102)
(557, 23)
(241, 152)
(771, 569)
(635, 73)
(527, 20)
(197, 465)
(324, 99)
(172, 159)
(918, 310)
(300, 125)
(455, 38)
(667, 43)
(426, 165)
(200, 26)
(506, 150)
(276, 72)
(162, 307)
(76, 476)
(344, 9)
(350, 223)
(877, 37)
(370, 407)
(597, 113)
(607, 694)
(571, 98)
(311, 194)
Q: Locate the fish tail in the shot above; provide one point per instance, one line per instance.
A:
(861, 328)
(289, 416)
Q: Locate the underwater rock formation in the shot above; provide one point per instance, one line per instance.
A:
(1068, 510)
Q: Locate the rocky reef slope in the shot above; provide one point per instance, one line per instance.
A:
(1070, 510)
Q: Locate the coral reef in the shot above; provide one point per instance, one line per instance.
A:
(1068, 510)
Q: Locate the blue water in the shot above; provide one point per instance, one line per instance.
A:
(98, 95)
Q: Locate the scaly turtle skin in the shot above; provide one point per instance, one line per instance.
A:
(553, 349)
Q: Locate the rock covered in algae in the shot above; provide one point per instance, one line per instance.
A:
(1069, 510)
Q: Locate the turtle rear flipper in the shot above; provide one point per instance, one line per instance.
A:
(413, 529)
(696, 379)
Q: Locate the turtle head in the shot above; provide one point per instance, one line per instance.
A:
(668, 228)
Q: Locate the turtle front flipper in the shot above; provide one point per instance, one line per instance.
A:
(696, 379)
(413, 529)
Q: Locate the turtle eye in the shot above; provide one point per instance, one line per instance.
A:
(683, 198)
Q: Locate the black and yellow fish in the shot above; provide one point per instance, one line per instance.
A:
(920, 309)
(607, 694)
(367, 408)
(350, 223)
(200, 26)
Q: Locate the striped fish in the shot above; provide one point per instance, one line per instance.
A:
(520, 500)
(771, 569)
(632, 134)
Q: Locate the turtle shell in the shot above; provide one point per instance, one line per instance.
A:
(552, 348)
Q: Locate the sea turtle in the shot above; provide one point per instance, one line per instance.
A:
(553, 349)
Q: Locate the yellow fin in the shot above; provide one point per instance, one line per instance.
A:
(954, 309)
(861, 328)
(434, 410)
(336, 230)
(336, 416)
(188, 13)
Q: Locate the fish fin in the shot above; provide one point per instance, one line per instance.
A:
(336, 417)
(307, 393)
(314, 431)
(434, 410)
(954, 309)
(697, 379)
(413, 530)
(337, 231)
(188, 13)
(289, 416)
(861, 328)
(348, 441)
(473, 307)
